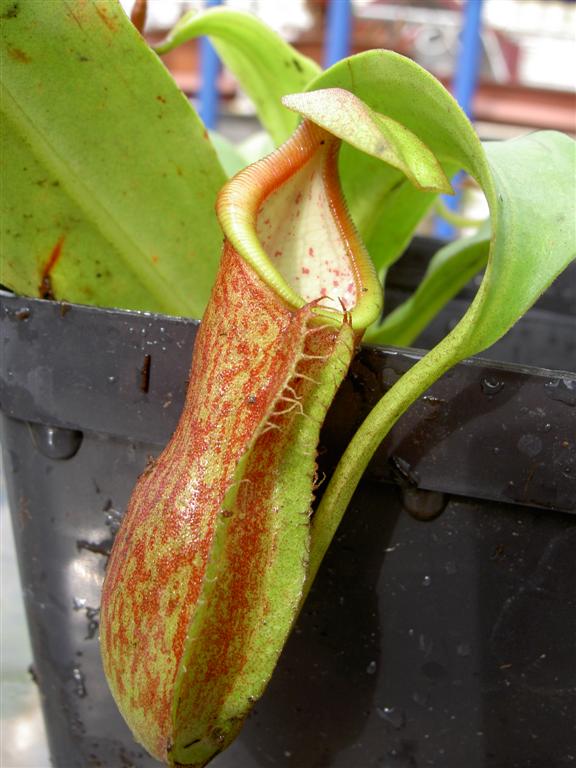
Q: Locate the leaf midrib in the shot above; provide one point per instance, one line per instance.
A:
(97, 214)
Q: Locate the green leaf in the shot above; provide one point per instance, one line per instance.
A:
(399, 88)
(103, 157)
(448, 272)
(266, 66)
(533, 210)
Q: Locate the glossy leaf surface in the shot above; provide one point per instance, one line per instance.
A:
(103, 157)
(265, 65)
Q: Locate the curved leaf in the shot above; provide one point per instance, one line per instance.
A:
(266, 66)
(529, 186)
(102, 157)
(533, 210)
(397, 87)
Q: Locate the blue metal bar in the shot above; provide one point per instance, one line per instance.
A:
(466, 75)
(338, 31)
(209, 69)
(464, 87)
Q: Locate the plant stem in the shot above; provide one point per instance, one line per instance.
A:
(363, 445)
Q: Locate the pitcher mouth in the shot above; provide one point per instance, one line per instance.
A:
(286, 216)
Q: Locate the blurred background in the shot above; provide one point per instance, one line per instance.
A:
(525, 65)
(510, 63)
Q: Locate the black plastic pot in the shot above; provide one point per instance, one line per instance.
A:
(441, 629)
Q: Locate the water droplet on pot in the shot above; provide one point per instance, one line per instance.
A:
(371, 668)
(113, 518)
(563, 390)
(401, 757)
(112, 379)
(392, 715)
(426, 581)
(55, 442)
(490, 385)
(79, 682)
(78, 603)
(423, 505)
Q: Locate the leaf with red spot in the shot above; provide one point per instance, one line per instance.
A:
(100, 147)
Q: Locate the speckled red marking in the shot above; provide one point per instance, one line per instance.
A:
(237, 602)
(45, 290)
(168, 526)
(109, 21)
